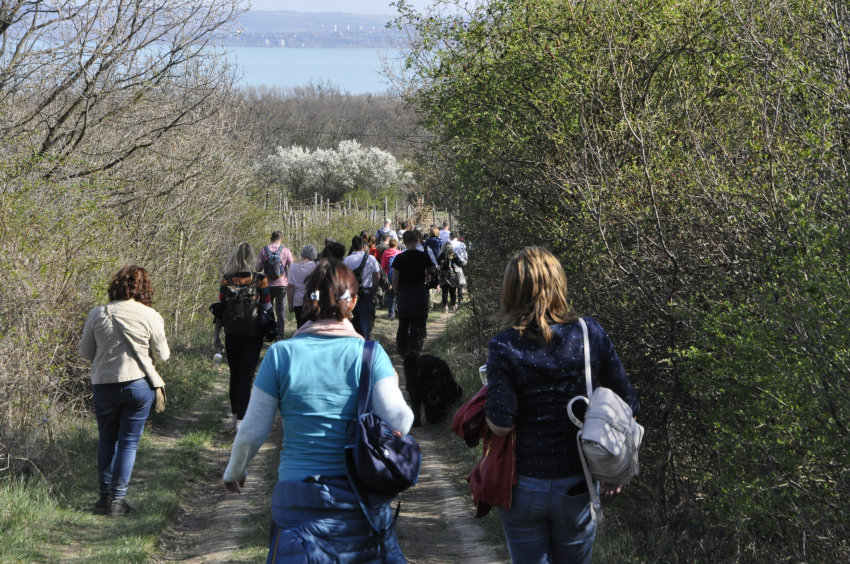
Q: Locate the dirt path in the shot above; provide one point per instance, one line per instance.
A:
(436, 524)
(210, 526)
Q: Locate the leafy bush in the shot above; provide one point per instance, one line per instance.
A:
(687, 161)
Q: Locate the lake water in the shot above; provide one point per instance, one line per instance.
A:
(355, 70)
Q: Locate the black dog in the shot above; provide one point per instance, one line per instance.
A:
(429, 381)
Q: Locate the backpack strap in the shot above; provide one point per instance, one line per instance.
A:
(595, 505)
(588, 378)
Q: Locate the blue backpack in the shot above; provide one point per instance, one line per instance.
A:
(390, 264)
(273, 267)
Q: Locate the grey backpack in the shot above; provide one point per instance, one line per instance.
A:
(608, 438)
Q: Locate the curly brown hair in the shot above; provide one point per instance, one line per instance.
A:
(131, 283)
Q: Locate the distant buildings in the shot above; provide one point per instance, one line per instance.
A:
(360, 37)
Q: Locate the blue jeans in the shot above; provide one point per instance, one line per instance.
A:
(548, 523)
(121, 410)
(391, 303)
(362, 320)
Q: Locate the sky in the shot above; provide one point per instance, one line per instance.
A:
(350, 6)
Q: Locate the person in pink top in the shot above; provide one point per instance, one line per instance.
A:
(267, 263)
(385, 264)
(298, 274)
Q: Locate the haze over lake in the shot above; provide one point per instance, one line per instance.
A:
(355, 70)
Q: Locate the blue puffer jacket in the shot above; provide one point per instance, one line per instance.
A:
(319, 521)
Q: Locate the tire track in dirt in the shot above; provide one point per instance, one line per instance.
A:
(436, 524)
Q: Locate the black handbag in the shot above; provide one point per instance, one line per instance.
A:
(381, 463)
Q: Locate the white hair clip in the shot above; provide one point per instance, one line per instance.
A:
(346, 295)
(315, 295)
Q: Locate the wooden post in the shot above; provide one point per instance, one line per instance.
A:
(385, 207)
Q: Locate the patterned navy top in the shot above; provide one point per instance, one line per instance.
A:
(530, 385)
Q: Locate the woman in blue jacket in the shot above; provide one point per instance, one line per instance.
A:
(535, 367)
(313, 380)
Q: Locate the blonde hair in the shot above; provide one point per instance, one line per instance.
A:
(435, 232)
(242, 258)
(534, 294)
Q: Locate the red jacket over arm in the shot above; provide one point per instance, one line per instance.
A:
(492, 479)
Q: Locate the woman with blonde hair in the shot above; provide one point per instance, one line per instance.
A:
(244, 294)
(535, 367)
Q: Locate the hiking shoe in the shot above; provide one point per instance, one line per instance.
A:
(120, 507)
(102, 504)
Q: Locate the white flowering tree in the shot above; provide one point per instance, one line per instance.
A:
(348, 169)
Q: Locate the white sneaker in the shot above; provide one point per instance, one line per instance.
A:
(238, 424)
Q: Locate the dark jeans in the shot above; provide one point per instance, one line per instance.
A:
(278, 294)
(448, 291)
(391, 303)
(411, 334)
(299, 321)
(243, 355)
(121, 410)
(362, 320)
(549, 522)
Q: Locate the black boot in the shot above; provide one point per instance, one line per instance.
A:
(120, 507)
(102, 504)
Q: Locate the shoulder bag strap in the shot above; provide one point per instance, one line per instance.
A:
(365, 390)
(364, 393)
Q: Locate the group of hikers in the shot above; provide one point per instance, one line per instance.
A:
(400, 279)
(534, 368)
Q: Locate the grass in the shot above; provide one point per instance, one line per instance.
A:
(49, 522)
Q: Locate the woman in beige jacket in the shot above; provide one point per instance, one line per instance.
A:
(123, 339)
